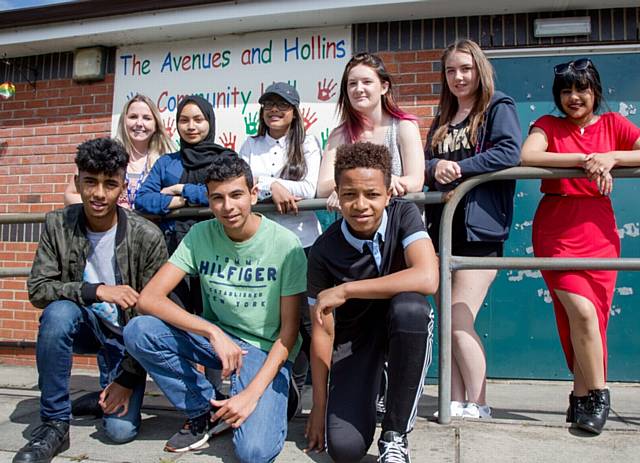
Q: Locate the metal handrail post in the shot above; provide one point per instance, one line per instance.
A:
(448, 264)
(444, 312)
(447, 267)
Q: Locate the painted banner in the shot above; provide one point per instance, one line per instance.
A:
(232, 71)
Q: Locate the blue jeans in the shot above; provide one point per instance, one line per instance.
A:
(168, 354)
(67, 328)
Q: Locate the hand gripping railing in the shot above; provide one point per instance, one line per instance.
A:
(449, 263)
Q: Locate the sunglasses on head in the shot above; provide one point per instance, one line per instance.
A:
(578, 65)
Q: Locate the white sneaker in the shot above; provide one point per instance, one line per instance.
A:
(473, 410)
(456, 409)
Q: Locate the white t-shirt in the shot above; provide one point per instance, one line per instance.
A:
(101, 268)
(267, 157)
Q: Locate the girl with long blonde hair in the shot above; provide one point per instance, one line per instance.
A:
(476, 130)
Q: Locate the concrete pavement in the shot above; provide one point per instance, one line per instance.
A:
(528, 426)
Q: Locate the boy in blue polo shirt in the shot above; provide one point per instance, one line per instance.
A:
(368, 277)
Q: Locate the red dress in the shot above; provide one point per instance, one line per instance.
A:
(574, 220)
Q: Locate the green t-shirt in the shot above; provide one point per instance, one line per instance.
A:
(242, 283)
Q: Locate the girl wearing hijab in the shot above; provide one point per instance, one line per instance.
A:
(177, 180)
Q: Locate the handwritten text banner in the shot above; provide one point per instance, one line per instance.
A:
(232, 71)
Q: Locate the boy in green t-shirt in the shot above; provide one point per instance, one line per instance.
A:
(252, 273)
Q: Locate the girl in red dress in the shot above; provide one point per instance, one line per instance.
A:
(575, 219)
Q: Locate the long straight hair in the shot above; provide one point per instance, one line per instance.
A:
(295, 167)
(448, 105)
(351, 120)
(160, 142)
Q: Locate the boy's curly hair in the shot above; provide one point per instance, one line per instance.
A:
(365, 155)
(102, 156)
(228, 166)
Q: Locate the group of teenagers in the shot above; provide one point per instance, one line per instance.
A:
(260, 299)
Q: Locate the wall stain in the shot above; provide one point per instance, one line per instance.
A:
(522, 274)
(631, 230)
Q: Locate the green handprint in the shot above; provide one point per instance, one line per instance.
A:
(251, 124)
(324, 137)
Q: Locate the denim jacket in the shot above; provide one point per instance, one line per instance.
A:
(167, 171)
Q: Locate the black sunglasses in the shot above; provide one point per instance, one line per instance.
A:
(581, 64)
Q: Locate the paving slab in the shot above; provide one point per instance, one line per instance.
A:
(502, 443)
(528, 427)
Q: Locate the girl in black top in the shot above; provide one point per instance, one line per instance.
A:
(476, 131)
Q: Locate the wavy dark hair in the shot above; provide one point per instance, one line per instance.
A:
(102, 156)
(364, 155)
(295, 167)
(582, 80)
(351, 120)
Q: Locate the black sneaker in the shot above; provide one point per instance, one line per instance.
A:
(293, 401)
(47, 440)
(195, 433)
(87, 405)
(393, 448)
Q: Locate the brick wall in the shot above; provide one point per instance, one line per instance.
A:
(416, 76)
(39, 131)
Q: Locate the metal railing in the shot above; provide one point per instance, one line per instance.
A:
(196, 213)
(448, 262)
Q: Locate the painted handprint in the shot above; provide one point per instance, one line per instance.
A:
(228, 140)
(251, 124)
(170, 126)
(324, 138)
(326, 90)
(308, 118)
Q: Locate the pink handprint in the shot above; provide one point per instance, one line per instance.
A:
(308, 118)
(228, 140)
(326, 90)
